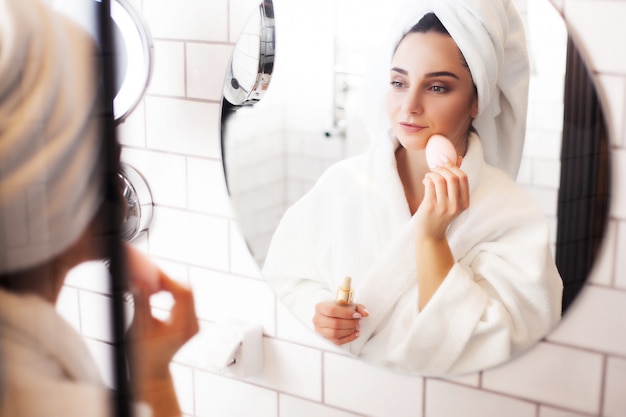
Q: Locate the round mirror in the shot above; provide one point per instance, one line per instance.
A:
(308, 121)
(134, 48)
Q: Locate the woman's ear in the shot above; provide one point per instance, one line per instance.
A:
(475, 107)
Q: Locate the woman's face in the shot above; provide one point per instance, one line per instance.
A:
(431, 91)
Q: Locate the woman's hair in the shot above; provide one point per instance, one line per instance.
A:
(431, 23)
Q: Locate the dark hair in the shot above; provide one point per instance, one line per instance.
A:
(431, 23)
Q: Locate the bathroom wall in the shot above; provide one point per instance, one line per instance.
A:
(173, 140)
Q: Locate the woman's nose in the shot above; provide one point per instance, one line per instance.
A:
(413, 103)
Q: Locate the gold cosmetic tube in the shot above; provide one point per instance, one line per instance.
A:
(345, 293)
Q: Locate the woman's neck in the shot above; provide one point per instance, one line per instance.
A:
(412, 168)
(45, 281)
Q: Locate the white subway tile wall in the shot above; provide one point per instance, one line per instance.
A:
(614, 398)
(620, 267)
(351, 384)
(219, 396)
(292, 406)
(168, 74)
(551, 374)
(205, 69)
(292, 369)
(172, 138)
(187, 127)
(188, 20)
(591, 324)
(618, 203)
(545, 411)
(444, 400)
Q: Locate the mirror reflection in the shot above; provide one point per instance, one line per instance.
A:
(480, 278)
(276, 150)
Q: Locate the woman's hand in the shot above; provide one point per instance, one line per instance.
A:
(155, 342)
(446, 195)
(338, 323)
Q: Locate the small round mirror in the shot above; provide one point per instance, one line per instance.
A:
(249, 73)
(138, 203)
(134, 57)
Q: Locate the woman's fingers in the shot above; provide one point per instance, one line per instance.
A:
(447, 188)
(360, 308)
(446, 195)
(343, 340)
(142, 313)
(333, 323)
(183, 314)
(338, 337)
(156, 341)
(332, 309)
(339, 324)
(142, 273)
(458, 178)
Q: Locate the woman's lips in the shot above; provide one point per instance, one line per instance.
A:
(410, 127)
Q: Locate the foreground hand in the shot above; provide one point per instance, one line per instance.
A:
(338, 323)
(154, 342)
(157, 341)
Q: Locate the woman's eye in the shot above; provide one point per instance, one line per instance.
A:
(397, 84)
(438, 89)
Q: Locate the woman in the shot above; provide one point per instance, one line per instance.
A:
(52, 212)
(451, 267)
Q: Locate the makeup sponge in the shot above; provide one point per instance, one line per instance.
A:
(438, 147)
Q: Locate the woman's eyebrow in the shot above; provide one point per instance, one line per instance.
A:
(442, 74)
(429, 75)
(400, 70)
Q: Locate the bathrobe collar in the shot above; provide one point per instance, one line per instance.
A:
(33, 323)
(385, 171)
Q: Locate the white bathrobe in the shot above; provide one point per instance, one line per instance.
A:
(502, 294)
(45, 366)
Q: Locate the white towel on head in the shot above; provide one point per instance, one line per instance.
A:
(491, 36)
(49, 139)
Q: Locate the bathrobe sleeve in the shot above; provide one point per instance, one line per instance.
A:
(298, 265)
